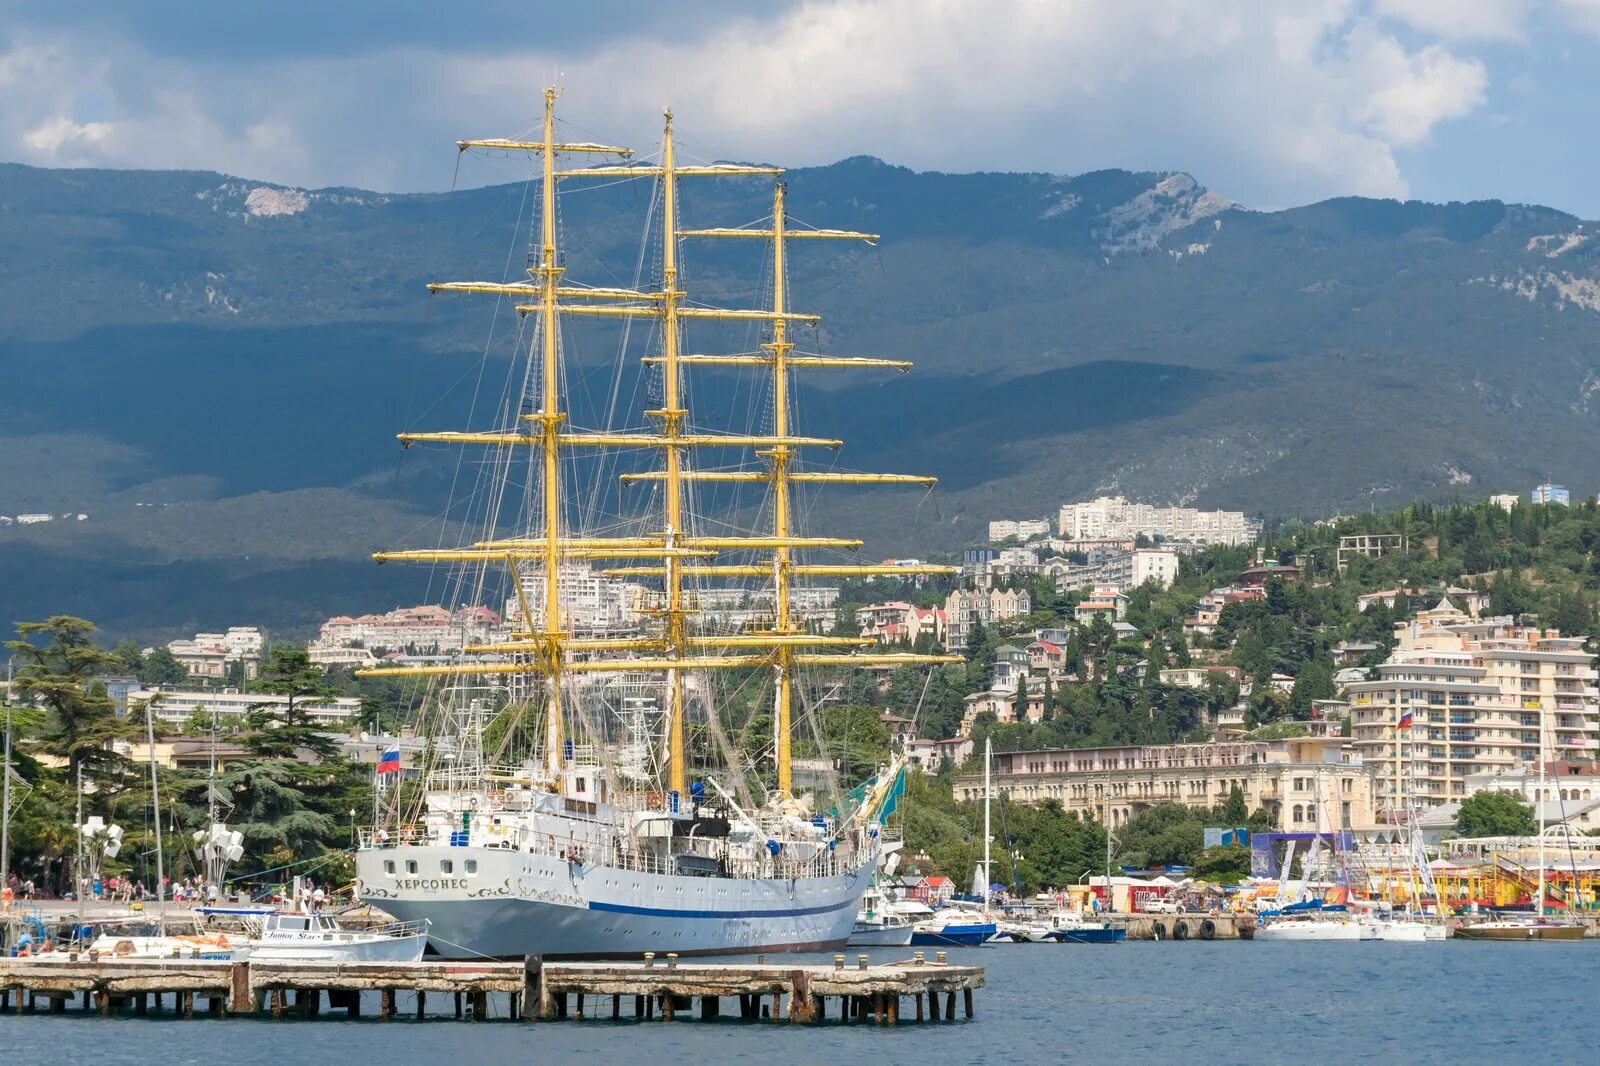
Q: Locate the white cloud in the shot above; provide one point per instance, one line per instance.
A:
(1583, 13)
(1412, 92)
(63, 139)
(1462, 20)
(1303, 99)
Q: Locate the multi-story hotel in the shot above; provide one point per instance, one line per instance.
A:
(1462, 696)
(1305, 782)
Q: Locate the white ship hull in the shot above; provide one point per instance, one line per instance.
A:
(1317, 929)
(532, 903)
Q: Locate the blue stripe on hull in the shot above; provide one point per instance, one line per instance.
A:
(666, 912)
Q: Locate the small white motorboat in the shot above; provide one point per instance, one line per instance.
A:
(317, 937)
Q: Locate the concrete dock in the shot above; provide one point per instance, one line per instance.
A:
(531, 990)
(1186, 926)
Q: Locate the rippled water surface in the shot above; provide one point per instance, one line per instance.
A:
(1455, 1002)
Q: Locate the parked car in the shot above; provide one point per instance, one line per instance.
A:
(1157, 905)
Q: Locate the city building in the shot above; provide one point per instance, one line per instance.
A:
(963, 607)
(425, 630)
(1305, 783)
(1461, 696)
(1115, 516)
(176, 706)
(901, 729)
(1505, 501)
(1369, 546)
(932, 755)
(1026, 529)
(1200, 675)
(898, 622)
(1548, 493)
(1105, 603)
(591, 602)
(1123, 571)
(210, 656)
(1263, 570)
(731, 610)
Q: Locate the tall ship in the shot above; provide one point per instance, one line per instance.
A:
(582, 796)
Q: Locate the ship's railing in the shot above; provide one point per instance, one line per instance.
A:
(388, 836)
(399, 929)
(615, 853)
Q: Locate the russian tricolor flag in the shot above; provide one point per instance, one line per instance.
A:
(1405, 721)
(389, 762)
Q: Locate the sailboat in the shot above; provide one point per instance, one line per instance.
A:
(968, 922)
(1535, 927)
(562, 845)
(1301, 916)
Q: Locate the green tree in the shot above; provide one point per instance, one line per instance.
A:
(1235, 813)
(290, 672)
(857, 739)
(1223, 865)
(1495, 814)
(60, 675)
(1572, 616)
(161, 667)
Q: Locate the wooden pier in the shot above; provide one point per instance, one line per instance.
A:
(652, 989)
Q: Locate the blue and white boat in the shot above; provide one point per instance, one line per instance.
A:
(1068, 928)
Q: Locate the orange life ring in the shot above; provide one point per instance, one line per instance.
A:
(656, 801)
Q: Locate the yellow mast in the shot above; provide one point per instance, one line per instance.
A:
(671, 417)
(779, 457)
(549, 422)
(780, 473)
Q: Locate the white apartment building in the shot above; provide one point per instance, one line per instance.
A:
(424, 628)
(591, 602)
(211, 655)
(1479, 693)
(728, 610)
(1024, 529)
(1114, 516)
(176, 705)
(1122, 571)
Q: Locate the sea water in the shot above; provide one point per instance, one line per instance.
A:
(1196, 1002)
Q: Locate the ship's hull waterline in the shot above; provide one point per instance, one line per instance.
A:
(518, 904)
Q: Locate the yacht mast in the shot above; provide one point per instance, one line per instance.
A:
(1538, 904)
(988, 762)
(155, 801)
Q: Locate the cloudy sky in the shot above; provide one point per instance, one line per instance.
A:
(1270, 102)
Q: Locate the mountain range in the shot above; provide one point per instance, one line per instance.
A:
(212, 369)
